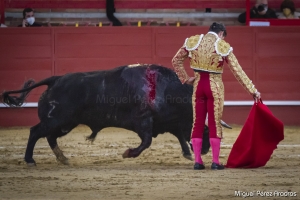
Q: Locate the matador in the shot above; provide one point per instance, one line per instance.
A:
(207, 55)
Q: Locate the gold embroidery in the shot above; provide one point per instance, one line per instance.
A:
(239, 74)
(205, 57)
(197, 79)
(217, 88)
(223, 48)
(192, 42)
(177, 63)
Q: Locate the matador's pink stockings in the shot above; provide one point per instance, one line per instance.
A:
(197, 145)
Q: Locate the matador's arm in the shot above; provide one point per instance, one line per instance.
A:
(240, 75)
(177, 63)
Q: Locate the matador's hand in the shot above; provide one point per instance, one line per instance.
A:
(24, 23)
(190, 81)
(257, 96)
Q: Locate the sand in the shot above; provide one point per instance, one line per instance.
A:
(98, 171)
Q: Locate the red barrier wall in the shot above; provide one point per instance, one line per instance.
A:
(269, 55)
(137, 4)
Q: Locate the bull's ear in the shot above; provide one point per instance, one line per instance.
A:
(224, 124)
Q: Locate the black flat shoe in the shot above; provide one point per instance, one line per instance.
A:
(198, 166)
(215, 166)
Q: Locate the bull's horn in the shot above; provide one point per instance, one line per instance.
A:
(225, 125)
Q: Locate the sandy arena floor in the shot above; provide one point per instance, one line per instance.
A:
(98, 171)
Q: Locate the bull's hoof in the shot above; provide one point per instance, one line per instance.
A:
(64, 161)
(126, 154)
(31, 164)
(91, 139)
(188, 156)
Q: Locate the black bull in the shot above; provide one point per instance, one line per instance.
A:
(147, 99)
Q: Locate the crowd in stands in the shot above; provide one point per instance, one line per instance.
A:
(260, 10)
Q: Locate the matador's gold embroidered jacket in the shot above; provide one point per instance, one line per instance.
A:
(208, 53)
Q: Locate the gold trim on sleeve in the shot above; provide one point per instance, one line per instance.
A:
(240, 75)
(177, 63)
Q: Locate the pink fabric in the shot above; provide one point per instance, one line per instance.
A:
(204, 103)
(197, 145)
(215, 147)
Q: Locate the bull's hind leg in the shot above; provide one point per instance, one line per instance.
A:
(36, 132)
(52, 140)
(92, 137)
(144, 130)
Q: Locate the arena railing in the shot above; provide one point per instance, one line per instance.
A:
(136, 4)
(126, 4)
(119, 4)
(140, 4)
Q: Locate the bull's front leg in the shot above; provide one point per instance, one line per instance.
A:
(144, 130)
(185, 148)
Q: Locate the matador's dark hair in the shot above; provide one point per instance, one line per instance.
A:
(217, 28)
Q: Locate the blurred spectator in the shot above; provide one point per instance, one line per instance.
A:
(2, 25)
(28, 19)
(288, 10)
(260, 10)
(110, 10)
(208, 10)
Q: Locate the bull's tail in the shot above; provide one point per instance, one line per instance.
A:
(14, 101)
